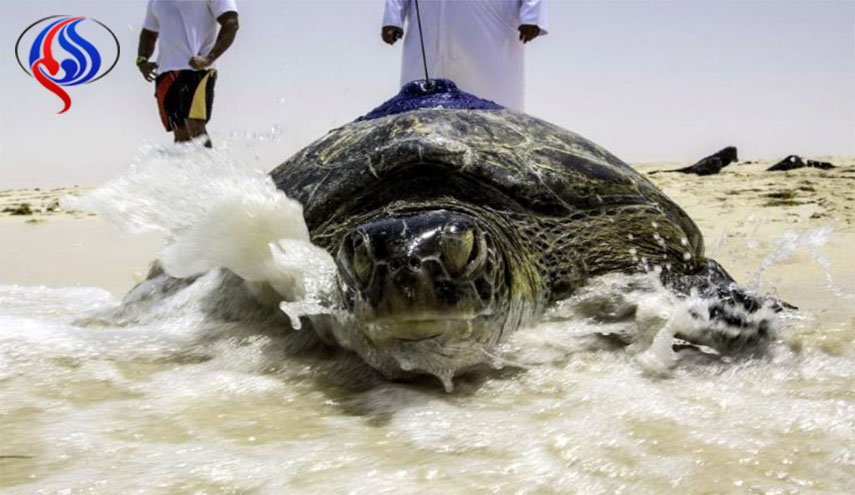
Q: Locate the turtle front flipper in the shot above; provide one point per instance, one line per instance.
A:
(728, 318)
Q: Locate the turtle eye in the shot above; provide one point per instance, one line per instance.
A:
(458, 250)
(361, 261)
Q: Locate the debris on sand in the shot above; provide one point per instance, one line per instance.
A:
(793, 162)
(787, 197)
(35, 201)
(712, 164)
(21, 209)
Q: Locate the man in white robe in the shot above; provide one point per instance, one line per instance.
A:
(478, 44)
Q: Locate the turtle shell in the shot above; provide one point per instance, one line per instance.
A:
(501, 157)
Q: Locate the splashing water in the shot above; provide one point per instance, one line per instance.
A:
(791, 242)
(216, 214)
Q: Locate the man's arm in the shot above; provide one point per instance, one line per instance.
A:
(532, 15)
(144, 52)
(393, 20)
(228, 30)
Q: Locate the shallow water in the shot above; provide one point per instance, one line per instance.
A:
(165, 404)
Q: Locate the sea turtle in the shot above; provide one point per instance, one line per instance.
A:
(454, 222)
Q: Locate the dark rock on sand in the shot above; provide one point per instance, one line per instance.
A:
(793, 162)
(712, 164)
(22, 209)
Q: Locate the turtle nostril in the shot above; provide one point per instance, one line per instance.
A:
(414, 263)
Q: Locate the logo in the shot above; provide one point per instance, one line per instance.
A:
(60, 57)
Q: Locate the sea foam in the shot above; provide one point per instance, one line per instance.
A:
(215, 213)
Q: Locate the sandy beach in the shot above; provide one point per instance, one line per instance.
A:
(777, 227)
(42, 244)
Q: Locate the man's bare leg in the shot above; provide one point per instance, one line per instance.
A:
(181, 134)
(196, 128)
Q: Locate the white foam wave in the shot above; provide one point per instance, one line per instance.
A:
(164, 406)
(216, 213)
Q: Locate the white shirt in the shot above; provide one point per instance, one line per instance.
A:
(185, 29)
(475, 43)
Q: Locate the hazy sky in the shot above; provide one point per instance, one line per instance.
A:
(649, 81)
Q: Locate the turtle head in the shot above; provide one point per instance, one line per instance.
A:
(418, 277)
(428, 280)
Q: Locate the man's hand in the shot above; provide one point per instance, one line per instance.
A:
(391, 34)
(149, 70)
(199, 62)
(144, 51)
(528, 32)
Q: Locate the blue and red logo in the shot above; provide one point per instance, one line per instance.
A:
(60, 57)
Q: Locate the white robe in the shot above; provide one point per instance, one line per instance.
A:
(475, 43)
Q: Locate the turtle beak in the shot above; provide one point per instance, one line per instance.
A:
(415, 277)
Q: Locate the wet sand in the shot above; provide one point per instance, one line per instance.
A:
(58, 248)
